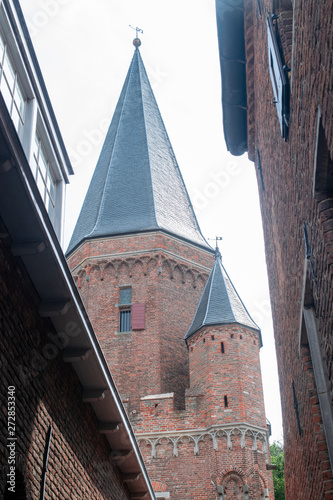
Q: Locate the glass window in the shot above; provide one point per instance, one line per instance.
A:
(44, 176)
(2, 47)
(279, 81)
(125, 296)
(125, 320)
(10, 87)
(125, 299)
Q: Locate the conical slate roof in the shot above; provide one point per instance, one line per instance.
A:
(137, 185)
(220, 303)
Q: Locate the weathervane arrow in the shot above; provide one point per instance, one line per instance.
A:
(137, 30)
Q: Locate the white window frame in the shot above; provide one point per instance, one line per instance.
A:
(48, 184)
(26, 134)
(57, 215)
(125, 307)
(278, 79)
(11, 87)
(35, 109)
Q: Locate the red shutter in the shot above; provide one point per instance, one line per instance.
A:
(138, 316)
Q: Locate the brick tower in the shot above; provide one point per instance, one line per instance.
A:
(181, 346)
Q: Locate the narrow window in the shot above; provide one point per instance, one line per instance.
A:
(279, 81)
(203, 340)
(125, 296)
(125, 307)
(44, 176)
(125, 320)
(323, 167)
(231, 335)
(260, 171)
(225, 401)
(222, 347)
(10, 87)
(213, 338)
(296, 409)
(259, 7)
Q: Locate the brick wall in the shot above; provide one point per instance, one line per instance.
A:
(47, 392)
(230, 380)
(165, 274)
(196, 476)
(174, 395)
(287, 202)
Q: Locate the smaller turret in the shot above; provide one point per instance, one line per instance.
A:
(224, 344)
(220, 303)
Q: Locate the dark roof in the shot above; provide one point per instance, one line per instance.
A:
(137, 185)
(230, 29)
(220, 303)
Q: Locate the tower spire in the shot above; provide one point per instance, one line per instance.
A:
(137, 185)
(220, 303)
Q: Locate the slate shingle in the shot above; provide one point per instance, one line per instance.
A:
(220, 303)
(137, 185)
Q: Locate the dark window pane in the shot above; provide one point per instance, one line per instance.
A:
(125, 320)
(125, 296)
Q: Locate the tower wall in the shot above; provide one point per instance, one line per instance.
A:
(174, 395)
(165, 274)
(225, 366)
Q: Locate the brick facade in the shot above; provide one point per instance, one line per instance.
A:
(295, 187)
(47, 392)
(197, 412)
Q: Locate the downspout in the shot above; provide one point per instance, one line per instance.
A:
(45, 462)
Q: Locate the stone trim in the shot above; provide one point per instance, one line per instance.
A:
(159, 260)
(167, 395)
(136, 253)
(196, 435)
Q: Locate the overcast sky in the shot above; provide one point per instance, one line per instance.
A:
(84, 49)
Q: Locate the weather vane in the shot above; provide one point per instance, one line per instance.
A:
(217, 250)
(136, 41)
(138, 30)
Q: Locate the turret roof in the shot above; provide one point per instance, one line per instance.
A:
(220, 303)
(137, 185)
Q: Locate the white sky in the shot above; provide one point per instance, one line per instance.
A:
(84, 49)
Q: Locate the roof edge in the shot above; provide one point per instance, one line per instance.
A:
(230, 29)
(209, 249)
(208, 325)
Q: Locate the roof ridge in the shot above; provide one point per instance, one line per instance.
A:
(210, 292)
(223, 269)
(113, 146)
(141, 66)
